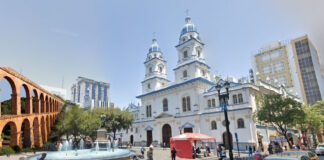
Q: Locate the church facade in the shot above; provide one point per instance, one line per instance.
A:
(190, 103)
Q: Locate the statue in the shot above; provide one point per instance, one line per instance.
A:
(103, 120)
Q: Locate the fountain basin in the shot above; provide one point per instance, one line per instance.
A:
(88, 154)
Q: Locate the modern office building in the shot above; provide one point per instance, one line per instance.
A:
(89, 94)
(293, 63)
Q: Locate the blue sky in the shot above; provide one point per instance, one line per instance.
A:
(108, 40)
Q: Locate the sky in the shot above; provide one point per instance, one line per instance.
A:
(107, 40)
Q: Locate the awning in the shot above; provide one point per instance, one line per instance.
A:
(192, 136)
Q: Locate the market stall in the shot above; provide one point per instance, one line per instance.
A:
(183, 143)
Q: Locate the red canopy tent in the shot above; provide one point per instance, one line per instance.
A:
(183, 143)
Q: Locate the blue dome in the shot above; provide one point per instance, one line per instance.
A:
(188, 27)
(154, 47)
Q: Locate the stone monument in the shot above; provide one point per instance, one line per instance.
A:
(102, 132)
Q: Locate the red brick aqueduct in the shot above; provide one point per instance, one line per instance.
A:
(38, 117)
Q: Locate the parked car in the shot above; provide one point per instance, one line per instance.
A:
(309, 154)
(287, 157)
(320, 149)
(295, 155)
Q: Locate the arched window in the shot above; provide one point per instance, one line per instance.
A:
(150, 69)
(203, 72)
(213, 102)
(148, 111)
(198, 52)
(186, 104)
(149, 86)
(209, 103)
(165, 105)
(213, 125)
(234, 99)
(240, 98)
(160, 69)
(185, 54)
(185, 74)
(240, 123)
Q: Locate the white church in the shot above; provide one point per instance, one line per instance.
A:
(190, 103)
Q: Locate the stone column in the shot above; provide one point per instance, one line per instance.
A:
(45, 131)
(15, 104)
(43, 107)
(1, 141)
(37, 135)
(37, 108)
(16, 138)
(29, 109)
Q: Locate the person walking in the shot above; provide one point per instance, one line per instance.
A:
(270, 149)
(142, 151)
(250, 151)
(150, 153)
(173, 153)
(43, 156)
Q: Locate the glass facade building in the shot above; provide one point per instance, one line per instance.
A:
(90, 93)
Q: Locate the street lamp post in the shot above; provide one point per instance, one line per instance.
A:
(223, 100)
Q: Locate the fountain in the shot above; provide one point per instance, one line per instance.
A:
(108, 145)
(66, 145)
(103, 149)
(97, 146)
(60, 147)
(70, 147)
(81, 146)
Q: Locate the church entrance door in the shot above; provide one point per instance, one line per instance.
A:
(187, 130)
(132, 140)
(166, 134)
(149, 138)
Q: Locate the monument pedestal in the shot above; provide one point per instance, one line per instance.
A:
(101, 134)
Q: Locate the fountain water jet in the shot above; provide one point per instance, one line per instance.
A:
(81, 144)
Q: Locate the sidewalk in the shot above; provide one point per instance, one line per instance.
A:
(20, 155)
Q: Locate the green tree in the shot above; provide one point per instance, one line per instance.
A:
(116, 119)
(91, 123)
(313, 120)
(279, 111)
(70, 122)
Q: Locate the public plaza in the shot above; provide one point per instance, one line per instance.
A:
(167, 80)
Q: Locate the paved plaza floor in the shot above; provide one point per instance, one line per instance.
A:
(158, 154)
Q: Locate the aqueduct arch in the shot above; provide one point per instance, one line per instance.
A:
(31, 127)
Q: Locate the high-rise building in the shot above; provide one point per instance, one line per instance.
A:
(294, 64)
(89, 94)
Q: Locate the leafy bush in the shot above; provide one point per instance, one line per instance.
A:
(16, 148)
(28, 149)
(6, 150)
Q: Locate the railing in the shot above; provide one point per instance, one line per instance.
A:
(231, 106)
(2, 117)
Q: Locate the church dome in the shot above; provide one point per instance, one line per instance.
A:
(154, 47)
(188, 27)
